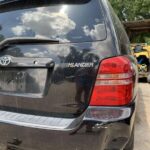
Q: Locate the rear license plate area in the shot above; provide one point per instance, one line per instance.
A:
(26, 82)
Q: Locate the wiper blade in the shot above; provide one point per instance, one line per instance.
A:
(12, 41)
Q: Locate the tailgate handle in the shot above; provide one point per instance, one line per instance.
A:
(10, 61)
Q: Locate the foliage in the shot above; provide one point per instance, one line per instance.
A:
(131, 10)
(142, 38)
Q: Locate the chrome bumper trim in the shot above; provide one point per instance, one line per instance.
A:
(33, 121)
(107, 114)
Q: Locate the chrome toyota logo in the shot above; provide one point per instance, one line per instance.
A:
(5, 60)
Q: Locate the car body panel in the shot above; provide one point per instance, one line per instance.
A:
(52, 111)
(93, 135)
(75, 64)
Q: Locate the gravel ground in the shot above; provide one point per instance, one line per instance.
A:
(142, 128)
(2, 147)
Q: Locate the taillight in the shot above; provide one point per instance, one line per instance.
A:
(114, 83)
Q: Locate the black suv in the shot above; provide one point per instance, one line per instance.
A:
(68, 80)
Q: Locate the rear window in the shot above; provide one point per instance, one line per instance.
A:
(66, 21)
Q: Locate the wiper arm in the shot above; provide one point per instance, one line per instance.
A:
(12, 41)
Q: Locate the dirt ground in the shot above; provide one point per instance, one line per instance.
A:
(142, 128)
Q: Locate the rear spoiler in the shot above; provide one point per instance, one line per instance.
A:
(11, 5)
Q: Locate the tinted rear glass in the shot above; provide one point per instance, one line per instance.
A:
(72, 21)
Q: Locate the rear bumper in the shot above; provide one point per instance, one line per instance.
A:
(109, 130)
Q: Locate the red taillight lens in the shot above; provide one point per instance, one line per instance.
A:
(114, 83)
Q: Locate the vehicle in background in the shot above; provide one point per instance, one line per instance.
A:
(68, 79)
(142, 54)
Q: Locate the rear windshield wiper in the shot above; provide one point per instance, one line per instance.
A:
(13, 41)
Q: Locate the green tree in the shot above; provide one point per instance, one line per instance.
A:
(129, 10)
(142, 38)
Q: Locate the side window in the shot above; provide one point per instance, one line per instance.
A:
(121, 33)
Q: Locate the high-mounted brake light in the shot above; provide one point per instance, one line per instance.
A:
(114, 83)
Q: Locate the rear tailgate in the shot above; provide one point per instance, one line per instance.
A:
(50, 79)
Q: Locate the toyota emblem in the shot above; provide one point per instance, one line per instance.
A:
(5, 60)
